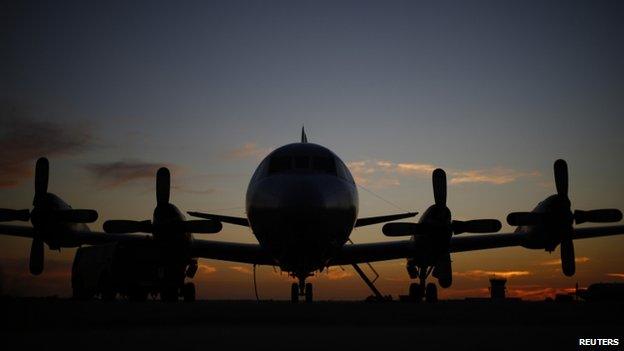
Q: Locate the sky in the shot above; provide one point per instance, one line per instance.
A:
(492, 91)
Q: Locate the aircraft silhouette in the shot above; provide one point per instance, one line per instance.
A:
(302, 204)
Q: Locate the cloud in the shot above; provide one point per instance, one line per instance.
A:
(336, 274)
(206, 269)
(616, 275)
(248, 150)
(114, 174)
(557, 261)
(497, 176)
(477, 273)
(384, 173)
(24, 139)
(415, 168)
(241, 269)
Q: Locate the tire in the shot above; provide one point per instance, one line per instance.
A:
(308, 293)
(188, 292)
(431, 293)
(294, 293)
(415, 292)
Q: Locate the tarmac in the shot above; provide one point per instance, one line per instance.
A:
(51, 323)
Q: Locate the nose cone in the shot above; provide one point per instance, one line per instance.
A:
(302, 194)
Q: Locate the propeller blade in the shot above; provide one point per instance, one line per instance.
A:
(567, 257)
(126, 226)
(202, 226)
(36, 257)
(7, 215)
(42, 170)
(163, 185)
(76, 216)
(405, 229)
(598, 216)
(561, 177)
(525, 218)
(476, 226)
(439, 186)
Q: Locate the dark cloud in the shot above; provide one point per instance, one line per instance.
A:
(114, 174)
(23, 139)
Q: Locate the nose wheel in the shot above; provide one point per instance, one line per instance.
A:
(418, 291)
(301, 289)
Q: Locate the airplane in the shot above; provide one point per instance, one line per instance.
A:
(302, 205)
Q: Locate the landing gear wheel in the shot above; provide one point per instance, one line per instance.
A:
(169, 294)
(415, 292)
(308, 292)
(294, 293)
(188, 292)
(431, 293)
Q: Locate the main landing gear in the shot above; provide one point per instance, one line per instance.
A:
(301, 289)
(422, 289)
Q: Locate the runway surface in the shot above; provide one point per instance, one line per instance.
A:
(248, 325)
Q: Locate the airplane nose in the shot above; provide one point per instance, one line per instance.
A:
(302, 194)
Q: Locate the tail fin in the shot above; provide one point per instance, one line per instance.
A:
(304, 137)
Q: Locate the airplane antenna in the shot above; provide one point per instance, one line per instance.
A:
(304, 137)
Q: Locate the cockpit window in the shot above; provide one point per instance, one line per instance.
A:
(299, 163)
(279, 164)
(324, 165)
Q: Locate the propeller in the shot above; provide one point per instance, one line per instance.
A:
(437, 219)
(43, 215)
(166, 217)
(560, 218)
(436, 223)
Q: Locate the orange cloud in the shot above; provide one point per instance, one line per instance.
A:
(206, 269)
(497, 176)
(557, 261)
(477, 273)
(382, 173)
(336, 274)
(248, 150)
(415, 168)
(616, 275)
(241, 269)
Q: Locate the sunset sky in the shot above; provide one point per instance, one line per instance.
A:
(492, 91)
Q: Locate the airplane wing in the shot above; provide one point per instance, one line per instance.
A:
(382, 251)
(218, 250)
(229, 251)
(225, 219)
(360, 222)
(80, 237)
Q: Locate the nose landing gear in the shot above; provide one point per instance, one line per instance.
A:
(301, 289)
(422, 289)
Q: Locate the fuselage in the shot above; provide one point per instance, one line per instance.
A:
(302, 204)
